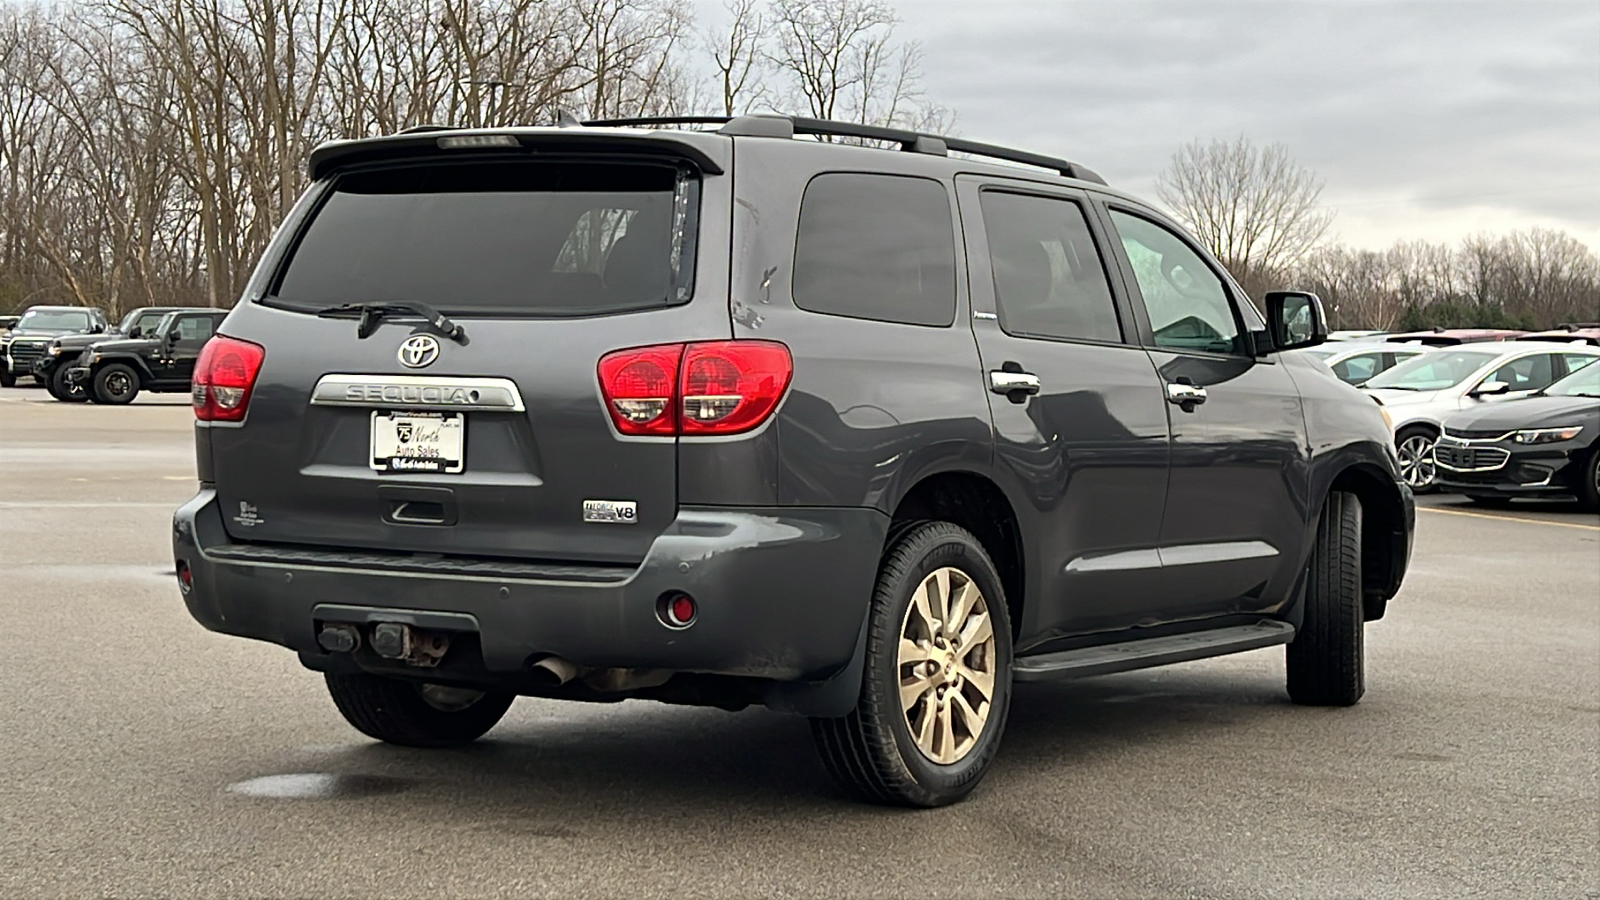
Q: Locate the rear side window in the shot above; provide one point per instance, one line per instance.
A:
(500, 238)
(876, 247)
(195, 329)
(1048, 278)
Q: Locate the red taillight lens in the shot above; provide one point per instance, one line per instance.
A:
(224, 375)
(718, 387)
(732, 386)
(641, 388)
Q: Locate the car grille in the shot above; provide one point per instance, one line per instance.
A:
(1469, 459)
(24, 353)
(1468, 434)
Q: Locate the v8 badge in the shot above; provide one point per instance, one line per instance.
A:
(615, 512)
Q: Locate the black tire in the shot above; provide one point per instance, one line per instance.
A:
(1489, 501)
(397, 711)
(1420, 474)
(6, 378)
(1327, 656)
(871, 752)
(65, 391)
(1589, 482)
(116, 384)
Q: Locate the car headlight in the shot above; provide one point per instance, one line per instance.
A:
(94, 357)
(1546, 435)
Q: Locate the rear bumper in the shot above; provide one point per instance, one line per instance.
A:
(782, 595)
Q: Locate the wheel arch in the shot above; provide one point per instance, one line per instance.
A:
(131, 360)
(1387, 516)
(977, 504)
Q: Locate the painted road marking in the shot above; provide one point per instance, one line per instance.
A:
(1478, 515)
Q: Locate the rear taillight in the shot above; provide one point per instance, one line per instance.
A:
(224, 375)
(718, 387)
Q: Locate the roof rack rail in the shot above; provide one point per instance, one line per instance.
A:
(424, 129)
(911, 141)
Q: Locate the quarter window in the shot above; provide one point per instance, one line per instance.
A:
(1048, 277)
(1188, 304)
(876, 247)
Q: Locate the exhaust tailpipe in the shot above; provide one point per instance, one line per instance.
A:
(554, 670)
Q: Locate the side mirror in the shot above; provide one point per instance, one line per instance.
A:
(135, 331)
(1296, 319)
(1490, 388)
(97, 329)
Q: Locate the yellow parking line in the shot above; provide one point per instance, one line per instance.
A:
(1478, 515)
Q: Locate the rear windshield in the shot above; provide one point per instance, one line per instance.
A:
(500, 238)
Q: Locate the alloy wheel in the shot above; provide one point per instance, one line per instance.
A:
(118, 384)
(1416, 460)
(946, 665)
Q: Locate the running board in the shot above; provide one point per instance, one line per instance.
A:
(1142, 654)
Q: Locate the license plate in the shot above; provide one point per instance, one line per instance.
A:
(418, 442)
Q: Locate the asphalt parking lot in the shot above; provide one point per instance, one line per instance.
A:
(147, 757)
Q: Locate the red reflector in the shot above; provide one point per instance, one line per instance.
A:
(224, 376)
(640, 388)
(680, 610)
(185, 577)
(732, 386)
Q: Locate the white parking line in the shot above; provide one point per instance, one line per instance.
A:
(75, 504)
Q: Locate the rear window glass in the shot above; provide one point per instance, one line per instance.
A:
(876, 247)
(514, 238)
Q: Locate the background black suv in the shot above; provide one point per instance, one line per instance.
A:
(160, 360)
(62, 352)
(26, 343)
(733, 417)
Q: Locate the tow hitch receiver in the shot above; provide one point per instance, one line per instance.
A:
(390, 640)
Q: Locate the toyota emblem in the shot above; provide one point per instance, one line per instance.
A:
(419, 350)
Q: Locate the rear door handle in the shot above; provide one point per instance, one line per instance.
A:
(1008, 383)
(1185, 395)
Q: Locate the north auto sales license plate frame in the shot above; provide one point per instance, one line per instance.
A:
(446, 429)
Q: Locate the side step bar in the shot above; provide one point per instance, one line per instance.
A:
(1129, 655)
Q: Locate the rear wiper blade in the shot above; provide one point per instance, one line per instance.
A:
(372, 313)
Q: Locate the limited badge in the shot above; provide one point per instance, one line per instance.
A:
(616, 512)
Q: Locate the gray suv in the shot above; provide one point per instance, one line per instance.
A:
(716, 414)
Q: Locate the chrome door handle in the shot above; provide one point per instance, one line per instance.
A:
(1013, 382)
(1187, 396)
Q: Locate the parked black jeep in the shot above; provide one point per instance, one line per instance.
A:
(62, 352)
(160, 360)
(26, 343)
(730, 417)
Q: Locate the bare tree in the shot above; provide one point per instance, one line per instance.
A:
(736, 52)
(842, 61)
(1253, 207)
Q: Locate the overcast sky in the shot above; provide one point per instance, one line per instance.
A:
(1427, 120)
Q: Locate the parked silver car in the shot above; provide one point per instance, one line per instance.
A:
(1420, 393)
(1355, 362)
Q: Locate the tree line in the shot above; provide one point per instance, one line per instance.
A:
(149, 147)
(1260, 214)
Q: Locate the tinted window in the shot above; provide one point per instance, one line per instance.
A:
(195, 329)
(1048, 278)
(1357, 369)
(1187, 302)
(1574, 361)
(1584, 382)
(148, 321)
(497, 238)
(1432, 371)
(876, 247)
(1530, 373)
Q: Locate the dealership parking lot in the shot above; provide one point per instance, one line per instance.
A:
(145, 756)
